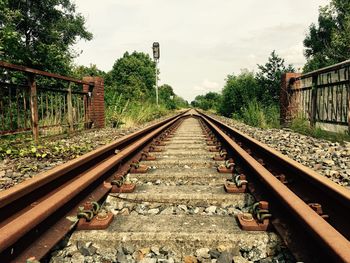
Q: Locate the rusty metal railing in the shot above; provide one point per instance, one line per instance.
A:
(323, 95)
(41, 102)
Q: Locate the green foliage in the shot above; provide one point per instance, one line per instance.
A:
(269, 78)
(133, 76)
(209, 101)
(130, 91)
(180, 102)
(328, 42)
(253, 114)
(251, 98)
(169, 99)
(258, 115)
(16, 147)
(167, 96)
(238, 92)
(272, 115)
(81, 71)
(302, 125)
(39, 33)
(133, 113)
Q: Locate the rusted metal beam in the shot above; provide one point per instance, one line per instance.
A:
(7, 65)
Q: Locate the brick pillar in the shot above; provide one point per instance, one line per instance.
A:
(97, 106)
(286, 109)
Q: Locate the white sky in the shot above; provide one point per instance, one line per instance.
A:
(201, 41)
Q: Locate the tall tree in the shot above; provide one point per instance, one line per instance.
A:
(40, 34)
(237, 92)
(133, 76)
(269, 78)
(82, 71)
(211, 100)
(167, 96)
(328, 42)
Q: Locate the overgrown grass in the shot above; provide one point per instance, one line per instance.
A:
(302, 125)
(257, 115)
(133, 113)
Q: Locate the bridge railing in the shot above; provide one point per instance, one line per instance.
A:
(41, 102)
(321, 96)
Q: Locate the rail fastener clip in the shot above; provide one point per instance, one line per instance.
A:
(257, 220)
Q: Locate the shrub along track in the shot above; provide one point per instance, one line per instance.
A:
(34, 214)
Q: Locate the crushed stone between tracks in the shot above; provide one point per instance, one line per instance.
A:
(60, 149)
(330, 159)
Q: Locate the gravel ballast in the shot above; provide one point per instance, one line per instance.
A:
(330, 159)
(58, 150)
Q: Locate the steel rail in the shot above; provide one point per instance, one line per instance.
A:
(18, 191)
(326, 235)
(306, 183)
(17, 224)
(342, 194)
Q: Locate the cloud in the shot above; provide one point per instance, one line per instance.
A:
(202, 41)
(207, 86)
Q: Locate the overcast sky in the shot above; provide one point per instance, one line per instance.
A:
(201, 41)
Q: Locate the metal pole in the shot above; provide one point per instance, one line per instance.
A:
(157, 82)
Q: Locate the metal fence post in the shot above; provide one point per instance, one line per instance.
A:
(313, 101)
(70, 108)
(349, 109)
(34, 106)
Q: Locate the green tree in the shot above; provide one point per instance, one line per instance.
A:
(132, 76)
(237, 92)
(328, 42)
(82, 71)
(167, 96)
(39, 34)
(209, 101)
(180, 102)
(269, 79)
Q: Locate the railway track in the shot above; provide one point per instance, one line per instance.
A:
(180, 203)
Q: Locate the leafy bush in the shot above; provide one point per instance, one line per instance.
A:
(134, 113)
(301, 124)
(253, 114)
(272, 115)
(237, 93)
(209, 101)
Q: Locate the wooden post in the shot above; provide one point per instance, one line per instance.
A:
(70, 108)
(313, 101)
(34, 106)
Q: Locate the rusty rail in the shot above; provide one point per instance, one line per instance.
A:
(329, 239)
(33, 213)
